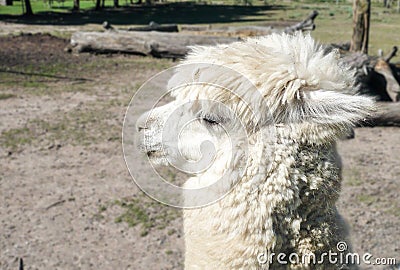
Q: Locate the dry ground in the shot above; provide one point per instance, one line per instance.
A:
(67, 200)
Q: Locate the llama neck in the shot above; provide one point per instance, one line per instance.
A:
(265, 210)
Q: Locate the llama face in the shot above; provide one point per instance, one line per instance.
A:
(209, 121)
(189, 135)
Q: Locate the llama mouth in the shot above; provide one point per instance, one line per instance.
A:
(154, 154)
(157, 158)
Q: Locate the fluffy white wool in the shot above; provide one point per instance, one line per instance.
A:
(292, 208)
(285, 202)
(291, 72)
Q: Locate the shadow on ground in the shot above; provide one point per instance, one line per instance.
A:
(180, 13)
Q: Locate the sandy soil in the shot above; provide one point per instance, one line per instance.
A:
(67, 200)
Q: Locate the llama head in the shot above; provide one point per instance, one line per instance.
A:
(226, 95)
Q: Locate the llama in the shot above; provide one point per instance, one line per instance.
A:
(283, 201)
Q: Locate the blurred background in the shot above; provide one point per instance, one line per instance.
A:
(68, 70)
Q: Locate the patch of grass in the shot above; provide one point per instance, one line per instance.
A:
(16, 137)
(79, 76)
(102, 208)
(394, 210)
(42, 6)
(147, 213)
(30, 84)
(366, 199)
(61, 34)
(334, 23)
(295, 16)
(169, 252)
(77, 127)
(188, 12)
(6, 96)
(171, 175)
(136, 64)
(100, 214)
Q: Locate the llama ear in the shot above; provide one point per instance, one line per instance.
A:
(335, 109)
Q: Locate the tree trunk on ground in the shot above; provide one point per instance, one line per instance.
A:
(76, 5)
(158, 44)
(28, 7)
(307, 24)
(392, 84)
(116, 4)
(169, 45)
(153, 26)
(236, 31)
(388, 114)
(361, 23)
(375, 76)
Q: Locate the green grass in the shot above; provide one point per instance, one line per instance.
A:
(334, 23)
(39, 6)
(146, 213)
(80, 76)
(393, 210)
(77, 127)
(6, 96)
(181, 12)
(16, 137)
(366, 199)
(338, 28)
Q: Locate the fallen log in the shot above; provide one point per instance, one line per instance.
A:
(153, 26)
(392, 85)
(374, 75)
(306, 25)
(149, 40)
(162, 45)
(391, 54)
(249, 30)
(253, 30)
(388, 114)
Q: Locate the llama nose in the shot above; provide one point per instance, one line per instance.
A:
(142, 121)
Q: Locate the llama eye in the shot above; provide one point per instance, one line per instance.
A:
(210, 121)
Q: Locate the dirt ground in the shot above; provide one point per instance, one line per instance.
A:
(67, 199)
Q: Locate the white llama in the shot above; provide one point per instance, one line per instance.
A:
(284, 201)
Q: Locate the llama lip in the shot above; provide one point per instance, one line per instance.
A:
(157, 158)
(154, 154)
